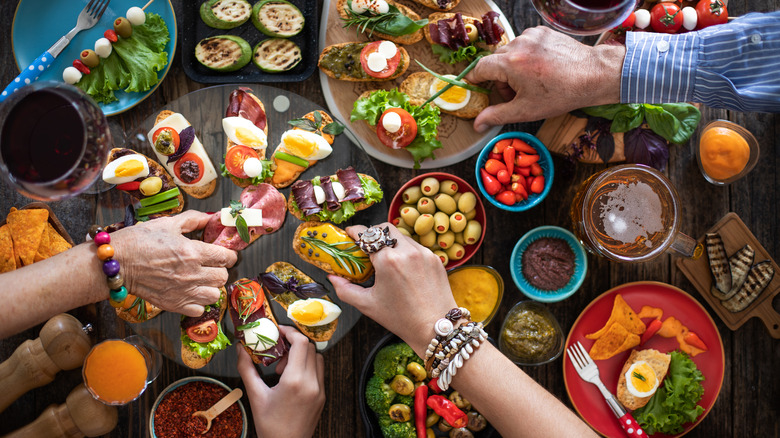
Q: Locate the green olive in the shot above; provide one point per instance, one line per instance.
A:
(459, 238)
(428, 239)
(445, 241)
(426, 205)
(467, 202)
(423, 224)
(411, 195)
(460, 401)
(432, 419)
(445, 203)
(458, 222)
(449, 187)
(409, 214)
(90, 58)
(457, 196)
(404, 231)
(400, 413)
(441, 222)
(472, 32)
(402, 385)
(417, 371)
(429, 433)
(473, 232)
(430, 186)
(471, 214)
(150, 186)
(456, 251)
(123, 27)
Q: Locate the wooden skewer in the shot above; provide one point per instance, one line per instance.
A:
(147, 5)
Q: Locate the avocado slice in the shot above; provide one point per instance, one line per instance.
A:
(277, 18)
(225, 14)
(276, 55)
(223, 52)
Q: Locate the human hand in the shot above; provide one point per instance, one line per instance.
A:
(410, 290)
(544, 73)
(293, 407)
(169, 270)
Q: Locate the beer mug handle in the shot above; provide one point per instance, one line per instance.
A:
(687, 246)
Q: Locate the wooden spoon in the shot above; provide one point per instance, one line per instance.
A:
(218, 408)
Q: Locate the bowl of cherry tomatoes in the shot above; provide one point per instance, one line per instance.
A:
(514, 171)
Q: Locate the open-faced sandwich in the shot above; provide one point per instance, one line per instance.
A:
(459, 102)
(383, 19)
(457, 37)
(642, 373)
(145, 180)
(246, 128)
(439, 5)
(364, 62)
(255, 325)
(202, 336)
(134, 309)
(329, 248)
(179, 150)
(334, 198)
(260, 210)
(305, 300)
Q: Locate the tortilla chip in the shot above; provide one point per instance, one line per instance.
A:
(57, 243)
(624, 315)
(27, 227)
(616, 340)
(7, 258)
(43, 247)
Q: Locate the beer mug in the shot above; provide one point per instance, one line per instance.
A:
(630, 213)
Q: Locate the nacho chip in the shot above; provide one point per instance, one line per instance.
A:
(615, 340)
(7, 258)
(57, 243)
(43, 247)
(624, 315)
(27, 227)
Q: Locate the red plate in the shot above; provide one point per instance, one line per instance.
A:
(587, 399)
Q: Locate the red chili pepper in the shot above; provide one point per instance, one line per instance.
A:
(525, 160)
(81, 67)
(507, 197)
(495, 156)
(420, 410)
(111, 35)
(524, 171)
(509, 158)
(128, 186)
(519, 188)
(492, 186)
(522, 146)
(501, 145)
(493, 166)
(448, 410)
(693, 339)
(537, 185)
(434, 385)
(536, 170)
(651, 329)
(503, 176)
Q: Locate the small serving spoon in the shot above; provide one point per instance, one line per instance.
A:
(218, 407)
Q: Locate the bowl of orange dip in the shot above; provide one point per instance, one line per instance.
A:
(726, 152)
(479, 289)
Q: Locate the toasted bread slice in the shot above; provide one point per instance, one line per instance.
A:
(155, 169)
(436, 16)
(403, 64)
(135, 309)
(418, 87)
(660, 364)
(286, 173)
(411, 38)
(292, 207)
(191, 358)
(434, 4)
(357, 274)
(243, 183)
(270, 315)
(284, 271)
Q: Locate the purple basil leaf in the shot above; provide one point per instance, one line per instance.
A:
(186, 137)
(644, 146)
(605, 146)
(311, 290)
(271, 282)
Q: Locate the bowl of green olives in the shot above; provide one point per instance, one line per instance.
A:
(443, 213)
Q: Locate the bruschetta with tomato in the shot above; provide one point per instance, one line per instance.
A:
(145, 180)
(364, 61)
(334, 198)
(178, 149)
(384, 19)
(456, 37)
(202, 336)
(246, 129)
(255, 325)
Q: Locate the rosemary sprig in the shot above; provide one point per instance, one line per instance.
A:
(363, 22)
(265, 355)
(141, 312)
(245, 301)
(334, 128)
(344, 257)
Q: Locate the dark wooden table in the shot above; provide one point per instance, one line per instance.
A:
(749, 402)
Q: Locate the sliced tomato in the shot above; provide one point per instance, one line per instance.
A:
(392, 63)
(247, 297)
(204, 332)
(189, 157)
(174, 137)
(711, 12)
(401, 138)
(666, 17)
(235, 158)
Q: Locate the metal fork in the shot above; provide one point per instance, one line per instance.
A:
(589, 372)
(88, 17)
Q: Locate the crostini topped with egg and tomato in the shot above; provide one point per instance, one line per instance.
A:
(255, 325)
(246, 128)
(363, 62)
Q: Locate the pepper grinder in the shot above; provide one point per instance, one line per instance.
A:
(62, 345)
(81, 415)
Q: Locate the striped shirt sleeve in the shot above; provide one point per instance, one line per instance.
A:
(731, 66)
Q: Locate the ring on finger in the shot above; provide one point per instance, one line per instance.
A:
(375, 238)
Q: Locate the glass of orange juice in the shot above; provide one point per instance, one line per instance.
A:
(117, 371)
(726, 152)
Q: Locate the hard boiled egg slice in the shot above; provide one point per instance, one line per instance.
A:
(451, 100)
(242, 131)
(641, 380)
(313, 312)
(126, 169)
(304, 144)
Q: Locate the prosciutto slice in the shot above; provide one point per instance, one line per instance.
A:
(331, 200)
(241, 104)
(351, 181)
(303, 193)
(264, 197)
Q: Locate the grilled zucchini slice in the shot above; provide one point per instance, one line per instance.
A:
(225, 14)
(277, 18)
(223, 52)
(276, 55)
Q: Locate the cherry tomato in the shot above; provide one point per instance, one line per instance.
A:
(503, 177)
(401, 138)
(507, 197)
(174, 137)
(537, 185)
(392, 63)
(204, 332)
(711, 12)
(626, 26)
(235, 158)
(189, 157)
(666, 17)
(247, 297)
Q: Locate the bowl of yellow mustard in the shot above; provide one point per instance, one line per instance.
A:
(478, 288)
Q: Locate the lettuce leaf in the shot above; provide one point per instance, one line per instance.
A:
(209, 349)
(676, 402)
(372, 194)
(267, 173)
(450, 56)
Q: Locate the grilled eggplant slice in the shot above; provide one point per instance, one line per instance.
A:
(719, 262)
(739, 265)
(223, 53)
(276, 55)
(757, 280)
(225, 14)
(277, 18)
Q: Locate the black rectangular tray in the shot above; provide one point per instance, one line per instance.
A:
(192, 29)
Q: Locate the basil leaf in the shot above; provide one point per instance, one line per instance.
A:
(605, 146)
(236, 207)
(689, 117)
(305, 124)
(627, 119)
(608, 111)
(644, 146)
(317, 119)
(243, 230)
(661, 122)
(248, 325)
(399, 24)
(333, 128)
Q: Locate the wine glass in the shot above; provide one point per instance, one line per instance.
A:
(584, 17)
(54, 140)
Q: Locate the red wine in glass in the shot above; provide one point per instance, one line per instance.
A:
(584, 17)
(54, 141)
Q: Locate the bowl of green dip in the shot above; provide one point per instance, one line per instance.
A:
(530, 335)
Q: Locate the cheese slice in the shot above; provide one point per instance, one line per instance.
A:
(252, 216)
(258, 336)
(179, 123)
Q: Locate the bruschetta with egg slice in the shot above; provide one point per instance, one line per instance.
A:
(254, 322)
(383, 19)
(329, 248)
(642, 373)
(145, 180)
(364, 61)
(246, 129)
(457, 101)
(334, 198)
(177, 148)
(456, 37)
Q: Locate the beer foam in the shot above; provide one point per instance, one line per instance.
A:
(632, 212)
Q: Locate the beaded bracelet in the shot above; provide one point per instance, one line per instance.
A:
(105, 252)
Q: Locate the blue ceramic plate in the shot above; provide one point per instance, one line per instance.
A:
(548, 296)
(38, 24)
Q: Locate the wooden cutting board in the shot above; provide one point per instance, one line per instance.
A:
(735, 235)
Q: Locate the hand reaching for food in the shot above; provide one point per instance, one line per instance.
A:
(293, 407)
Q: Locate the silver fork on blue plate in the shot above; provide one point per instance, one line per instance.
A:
(589, 372)
(88, 17)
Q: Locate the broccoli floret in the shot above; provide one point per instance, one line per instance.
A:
(392, 360)
(379, 395)
(407, 400)
(399, 430)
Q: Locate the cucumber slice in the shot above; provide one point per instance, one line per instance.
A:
(223, 52)
(277, 18)
(225, 14)
(276, 55)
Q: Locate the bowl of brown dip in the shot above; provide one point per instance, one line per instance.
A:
(548, 264)
(530, 334)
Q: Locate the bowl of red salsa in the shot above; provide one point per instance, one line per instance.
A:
(171, 415)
